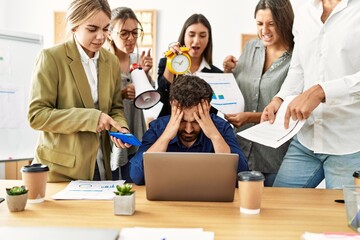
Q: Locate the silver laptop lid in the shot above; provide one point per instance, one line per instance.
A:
(179, 176)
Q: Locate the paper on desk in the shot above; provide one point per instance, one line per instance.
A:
(57, 233)
(332, 236)
(94, 190)
(137, 233)
(274, 135)
(227, 96)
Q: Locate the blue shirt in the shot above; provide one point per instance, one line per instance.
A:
(202, 144)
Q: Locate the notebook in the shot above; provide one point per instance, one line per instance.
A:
(179, 176)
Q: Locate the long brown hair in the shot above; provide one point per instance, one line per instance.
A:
(283, 15)
(121, 14)
(193, 19)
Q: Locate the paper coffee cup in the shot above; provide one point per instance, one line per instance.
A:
(356, 176)
(35, 177)
(251, 184)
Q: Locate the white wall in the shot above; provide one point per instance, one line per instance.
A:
(229, 18)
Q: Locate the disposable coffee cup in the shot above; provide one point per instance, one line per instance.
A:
(356, 176)
(35, 177)
(251, 184)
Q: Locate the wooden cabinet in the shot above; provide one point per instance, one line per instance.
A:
(12, 168)
(245, 38)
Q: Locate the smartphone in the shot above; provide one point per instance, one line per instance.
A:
(126, 138)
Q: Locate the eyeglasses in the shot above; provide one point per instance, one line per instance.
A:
(125, 34)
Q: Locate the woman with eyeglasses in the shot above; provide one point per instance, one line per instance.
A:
(75, 98)
(197, 36)
(125, 30)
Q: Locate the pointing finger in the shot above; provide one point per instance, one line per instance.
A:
(287, 118)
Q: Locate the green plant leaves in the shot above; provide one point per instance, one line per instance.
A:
(16, 190)
(125, 189)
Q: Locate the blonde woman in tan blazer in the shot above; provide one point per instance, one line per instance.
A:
(76, 96)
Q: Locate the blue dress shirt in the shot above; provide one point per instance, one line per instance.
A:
(202, 144)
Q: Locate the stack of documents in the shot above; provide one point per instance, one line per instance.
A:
(95, 190)
(137, 233)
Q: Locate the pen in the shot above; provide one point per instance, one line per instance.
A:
(339, 200)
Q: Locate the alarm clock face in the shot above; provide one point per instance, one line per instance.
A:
(180, 64)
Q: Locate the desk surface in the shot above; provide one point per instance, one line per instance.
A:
(285, 214)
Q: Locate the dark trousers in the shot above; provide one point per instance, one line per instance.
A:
(125, 172)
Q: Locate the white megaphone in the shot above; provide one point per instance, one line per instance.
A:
(145, 95)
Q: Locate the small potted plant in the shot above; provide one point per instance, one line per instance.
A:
(16, 198)
(124, 201)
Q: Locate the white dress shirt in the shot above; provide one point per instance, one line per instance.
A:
(203, 64)
(328, 54)
(90, 67)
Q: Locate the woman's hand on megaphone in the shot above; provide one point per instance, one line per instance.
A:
(128, 92)
(146, 61)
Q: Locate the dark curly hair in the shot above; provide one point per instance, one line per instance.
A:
(189, 90)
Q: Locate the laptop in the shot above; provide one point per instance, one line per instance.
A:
(179, 176)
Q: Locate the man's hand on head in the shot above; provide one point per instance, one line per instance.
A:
(208, 127)
(204, 119)
(170, 131)
(174, 123)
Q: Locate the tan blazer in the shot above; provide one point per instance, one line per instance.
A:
(61, 106)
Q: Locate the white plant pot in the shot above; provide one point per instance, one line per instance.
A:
(124, 205)
(16, 203)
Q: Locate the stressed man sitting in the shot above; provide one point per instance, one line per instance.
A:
(189, 128)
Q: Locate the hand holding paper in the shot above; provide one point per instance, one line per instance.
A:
(227, 96)
(274, 135)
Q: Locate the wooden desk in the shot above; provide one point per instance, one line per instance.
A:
(285, 214)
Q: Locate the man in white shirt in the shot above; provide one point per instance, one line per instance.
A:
(325, 74)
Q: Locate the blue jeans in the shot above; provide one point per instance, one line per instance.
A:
(302, 168)
(269, 179)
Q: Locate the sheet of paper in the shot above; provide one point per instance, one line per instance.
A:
(330, 236)
(227, 96)
(94, 190)
(274, 135)
(136, 233)
(57, 233)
